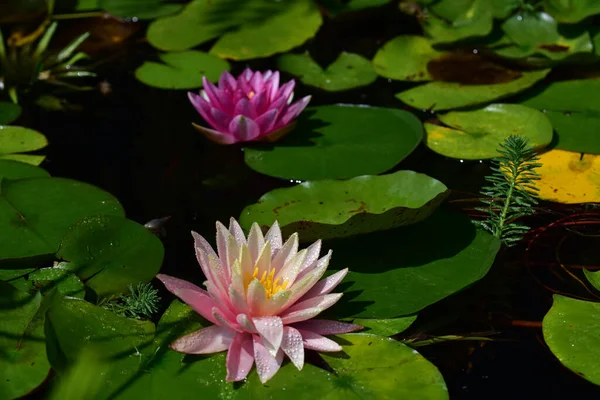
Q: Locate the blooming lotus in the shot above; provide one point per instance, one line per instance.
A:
(248, 108)
(261, 295)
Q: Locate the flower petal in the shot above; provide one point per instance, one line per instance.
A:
(291, 268)
(270, 330)
(220, 120)
(244, 107)
(224, 320)
(240, 357)
(314, 341)
(244, 129)
(274, 81)
(288, 250)
(294, 110)
(266, 364)
(313, 254)
(256, 241)
(201, 106)
(309, 308)
(285, 91)
(245, 323)
(256, 297)
(306, 280)
(238, 300)
(203, 250)
(274, 236)
(257, 82)
(259, 104)
(292, 345)
(215, 136)
(327, 327)
(326, 285)
(263, 262)
(323, 261)
(219, 99)
(191, 294)
(236, 230)
(227, 82)
(266, 122)
(205, 341)
(276, 303)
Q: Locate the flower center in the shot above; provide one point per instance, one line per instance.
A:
(251, 94)
(271, 285)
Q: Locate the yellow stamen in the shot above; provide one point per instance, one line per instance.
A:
(251, 95)
(272, 286)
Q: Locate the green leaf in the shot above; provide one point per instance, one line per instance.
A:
(16, 139)
(440, 96)
(452, 23)
(182, 70)
(475, 135)
(9, 274)
(35, 213)
(573, 108)
(332, 208)
(503, 8)
(335, 7)
(571, 11)
(47, 279)
(342, 141)
(23, 352)
(385, 327)
(571, 332)
(111, 252)
(348, 71)
(405, 58)
(9, 112)
(593, 277)
(401, 271)
(17, 170)
(141, 9)
(289, 28)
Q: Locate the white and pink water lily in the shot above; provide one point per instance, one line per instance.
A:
(261, 295)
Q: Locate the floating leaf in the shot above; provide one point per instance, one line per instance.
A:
(23, 363)
(35, 213)
(385, 327)
(571, 331)
(9, 112)
(332, 208)
(111, 253)
(593, 277)
(141, 9)
(401, 271)
(348, 71)
(10, 169)
(475, 135)
(342, 141)
(182, 70)
(335, 7)
(503, 8)
(568, 177)
(573, 108)
(9, 274)
(449, 23)
(288, 28)
(47, 279)
(15, 140)
(571, 11)
(405, 58)
(448, 95)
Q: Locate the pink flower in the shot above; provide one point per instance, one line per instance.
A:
(253, 107)
(261, 297)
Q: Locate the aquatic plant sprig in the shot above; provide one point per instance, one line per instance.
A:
(512, 193)
(141, 302)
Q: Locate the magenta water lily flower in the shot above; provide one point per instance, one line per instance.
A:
(251, 107)
(261, 297)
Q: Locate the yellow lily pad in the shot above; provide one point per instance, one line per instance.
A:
(568, 177)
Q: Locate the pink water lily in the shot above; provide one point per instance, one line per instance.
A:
(261, 297)
(251, 107)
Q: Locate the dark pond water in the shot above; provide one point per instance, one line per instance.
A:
(137, 143)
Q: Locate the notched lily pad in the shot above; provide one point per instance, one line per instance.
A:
(348, 71)
(47, 279)
(15, 140)
(333, 208)
(450, 22)
(405, 58)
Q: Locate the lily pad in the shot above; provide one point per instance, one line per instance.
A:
(182, 70)
(111, 252)
(440, 96)
(593, 277)
(405, 58)
(290, 27)
(348, 71)
(47, 279)
(568, 177)
(36, 213)
(571, 331)
(448, 23)
(475, 135)
(23, 363)
(573, 108)
(331, 208)
(10, 169)
(335, 7)
(571, 11)
(341, 142)
(140, 9)
(9, 274)
(15, 140)
(401, 271)
(385, 327)
(9, 112)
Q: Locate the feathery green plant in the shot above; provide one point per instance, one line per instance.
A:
(512, 193)
(141, 302)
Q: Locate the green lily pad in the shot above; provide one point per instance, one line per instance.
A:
(573, 108)
(448, 23)
(9, 274)
(593, 277)
(9, 112)
(503, 8)
(332, 208)
(341, 142)
(23, 363)
(35, 213)
(476, 135)
(290, 27)
(571, 11)
(335, 7)
(348, 71)
(111, 253)
(10, 169)
(47, 279)
(16, 139)
(141, 9)
(385, 327)
(571, 331)
(440, 96)
(401, 271)
(182, 70)
(405, 58)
